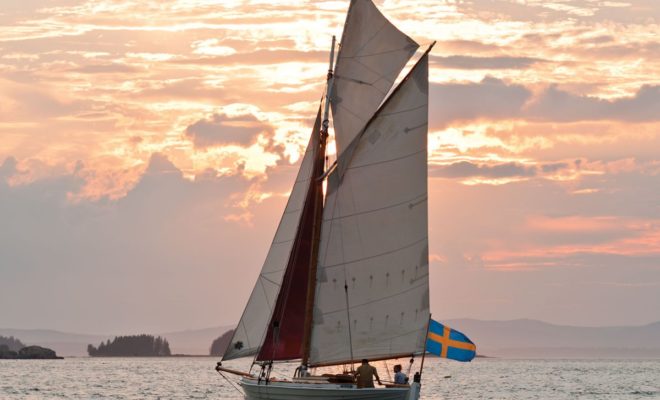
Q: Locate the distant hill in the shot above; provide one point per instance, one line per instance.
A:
(64, 343)
(526, 338)
(194, 342)
(521, 338)
(220, 344)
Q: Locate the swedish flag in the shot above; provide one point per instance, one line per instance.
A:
(449, 343)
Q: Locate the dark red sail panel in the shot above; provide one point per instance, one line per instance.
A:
(285, 336)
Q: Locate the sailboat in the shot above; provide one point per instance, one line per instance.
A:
(346, 277)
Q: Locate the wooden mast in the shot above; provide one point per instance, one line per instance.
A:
(319, 167)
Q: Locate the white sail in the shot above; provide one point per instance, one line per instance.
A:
(251, 328)
(374, 236)
(373, 52)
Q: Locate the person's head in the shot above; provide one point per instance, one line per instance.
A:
(397, 368)
(365, 361)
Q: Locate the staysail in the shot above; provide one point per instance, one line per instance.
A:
(374, 237)
(373, 52)
(285, 336)
(251, 329)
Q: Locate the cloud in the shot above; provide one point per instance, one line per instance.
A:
(464, 169)
(7, 169)
(150, 260)
(491, 98)
(628, 11)
(554, 104)
(472, 62)
(467, 169)
(222, 129)
(257, 57)
(112, 68)
(494, 99)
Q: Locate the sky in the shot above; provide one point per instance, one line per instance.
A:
(147, 149)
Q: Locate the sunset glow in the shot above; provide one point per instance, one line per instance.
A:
(174, 128)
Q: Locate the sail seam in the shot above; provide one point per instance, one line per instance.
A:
(283, 241)
(352, 307)
(409, 201)
(387, 161)
(370, 39)
(378, 54)
(378, 255)
(378, 75)
(292, 211)
(271, 281)
(350, 112)
(404, 111)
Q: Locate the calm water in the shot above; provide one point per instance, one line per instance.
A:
(194, 378)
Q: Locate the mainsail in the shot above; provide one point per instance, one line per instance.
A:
(373, 52)
(373, 256)
(251, 330)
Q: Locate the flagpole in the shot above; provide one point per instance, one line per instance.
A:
(426, 337)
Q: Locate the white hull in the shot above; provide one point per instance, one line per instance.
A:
(280, 390)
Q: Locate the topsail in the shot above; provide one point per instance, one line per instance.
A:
(373, 52)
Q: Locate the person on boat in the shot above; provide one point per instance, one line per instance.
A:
(365, 375)
(399, 377)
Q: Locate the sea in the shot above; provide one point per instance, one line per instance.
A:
(195, 378)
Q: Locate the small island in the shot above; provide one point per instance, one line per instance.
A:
(132, 346)
(13, 349)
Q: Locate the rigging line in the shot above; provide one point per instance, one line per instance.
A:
(348, 316)
(231, 383)
(416, 242)
(410, 202)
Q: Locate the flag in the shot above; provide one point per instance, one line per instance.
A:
(449, 343)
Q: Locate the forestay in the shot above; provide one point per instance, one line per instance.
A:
(374, 236)
(373, 52)
(251, 329)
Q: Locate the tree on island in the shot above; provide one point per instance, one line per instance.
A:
(131, 346)
(220, 344)
(12, 343)
(11, 348)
